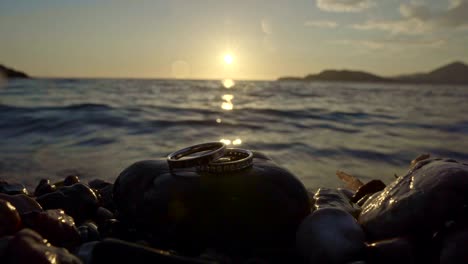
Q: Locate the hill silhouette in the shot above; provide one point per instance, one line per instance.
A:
(11, 73)
(453, 73)
(345, 75)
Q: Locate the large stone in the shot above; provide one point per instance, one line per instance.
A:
(432, 192)
(255, 208)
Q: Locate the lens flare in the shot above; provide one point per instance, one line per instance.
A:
(225, 141)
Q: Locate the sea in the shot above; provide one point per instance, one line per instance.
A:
(95, 128)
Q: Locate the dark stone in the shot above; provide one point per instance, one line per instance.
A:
(78, 201)
(252, 209)
(28, 246)
(102, 215)
(117, 251)
(22, 203)
(98, 184)
(55, 226)
(44, 187)
(433, 192)
(330, 235)
(369, 188)
(347, 192)
(70, 180)
(333, 198)
(12, 188)
(10, 220)
(397, 250)
(106, 197)
(454, 246)
(113, 228)
(89, 232)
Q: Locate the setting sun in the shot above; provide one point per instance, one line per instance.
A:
(228, 59)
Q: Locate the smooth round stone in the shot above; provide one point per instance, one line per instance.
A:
(102, 215)
(28, 246)
(10, 220)
(397, 250)
(105, 195)
(330, 235)
(248, 210)
(22, 203)
(89, 232)
(432, 192)
(54, 225)
(70, 180)
(44, 187)
(12, 188)
(78, 201)
(334, 198)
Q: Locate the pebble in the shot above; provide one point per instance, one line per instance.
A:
(330, 235)
(10, 220)
(27, 247)
(77, 200)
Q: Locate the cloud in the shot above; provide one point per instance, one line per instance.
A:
(344, 5)
(418, 18)
(321, 23)
(397, 43)
(409, 26)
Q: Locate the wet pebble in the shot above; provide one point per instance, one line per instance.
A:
(334, 198)
(454, 248)
(44, 187)
(22, 203)
(10, 220)
(77, 200)
(432, 192)
(55, 226)
(27, 246)
(89, 232)
(330, 235)
(12, 188)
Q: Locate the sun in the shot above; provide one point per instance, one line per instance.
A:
(228, 59)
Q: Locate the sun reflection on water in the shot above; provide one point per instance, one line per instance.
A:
(227, 104)
(228, 83)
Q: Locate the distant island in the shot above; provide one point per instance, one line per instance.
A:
(453, 73)
(11, 73)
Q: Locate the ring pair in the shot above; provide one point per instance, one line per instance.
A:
(211, 157)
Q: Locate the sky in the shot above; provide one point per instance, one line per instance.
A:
(266, 39)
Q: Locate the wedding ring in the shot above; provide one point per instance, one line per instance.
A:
(234, 159)
(215, 151)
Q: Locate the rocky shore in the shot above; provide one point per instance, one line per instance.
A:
(262, 214)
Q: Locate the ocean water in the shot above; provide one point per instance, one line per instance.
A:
(95, 128)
